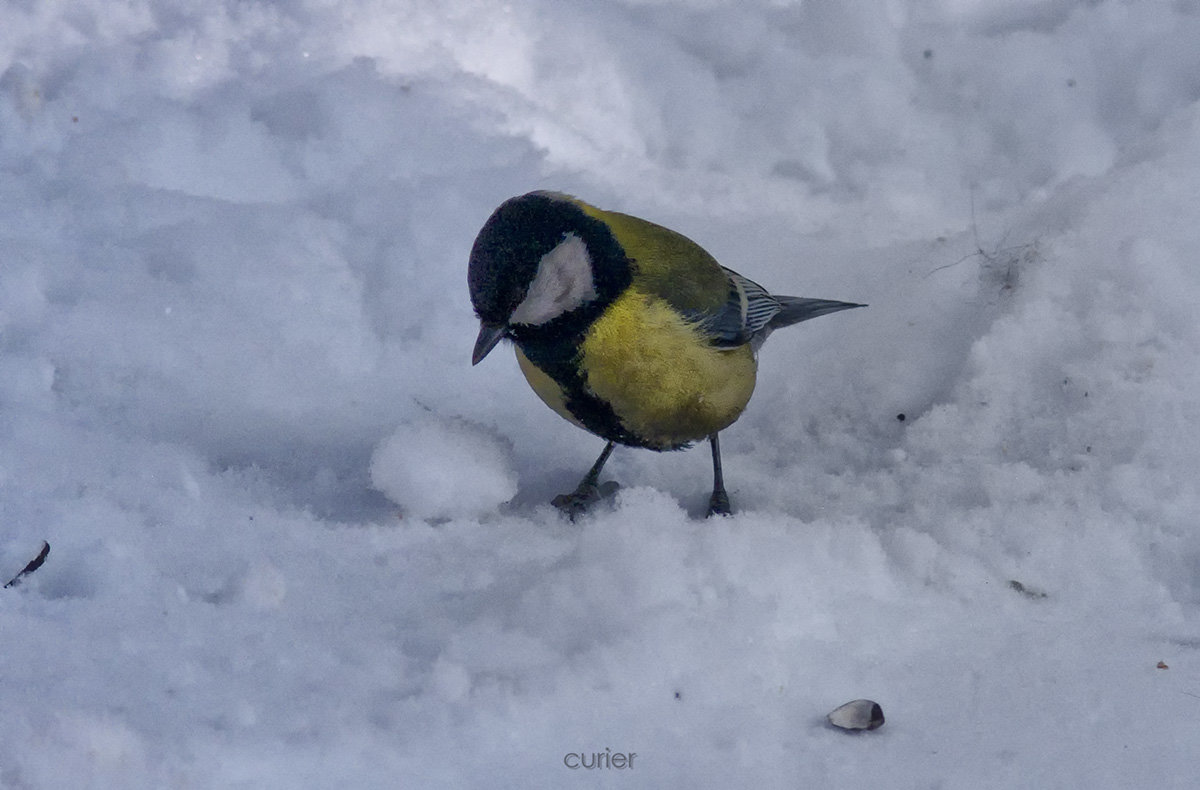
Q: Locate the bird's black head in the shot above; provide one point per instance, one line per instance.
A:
(542, 264)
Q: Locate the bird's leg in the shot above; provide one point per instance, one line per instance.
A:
(718, 503)
(589, 489)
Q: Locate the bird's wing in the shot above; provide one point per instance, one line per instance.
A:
(672, 267)
(749, 313)
(746, 312)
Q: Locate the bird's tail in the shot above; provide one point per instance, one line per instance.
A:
(794, 309)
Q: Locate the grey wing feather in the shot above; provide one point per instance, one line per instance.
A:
(760, 306)
(747, 307)
(750, 313)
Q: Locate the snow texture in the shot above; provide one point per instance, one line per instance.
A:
(297, 541)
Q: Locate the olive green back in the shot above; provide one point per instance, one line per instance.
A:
(668, 264)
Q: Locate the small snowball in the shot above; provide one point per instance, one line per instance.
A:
(443, 468)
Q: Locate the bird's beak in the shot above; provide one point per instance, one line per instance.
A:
(489, 336)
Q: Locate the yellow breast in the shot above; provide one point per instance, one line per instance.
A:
(663, 381)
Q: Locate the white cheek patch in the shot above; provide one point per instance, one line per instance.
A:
(562, 283)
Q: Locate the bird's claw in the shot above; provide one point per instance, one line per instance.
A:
(718, 505)
(582, 498)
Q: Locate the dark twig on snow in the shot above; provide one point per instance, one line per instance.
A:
(33, 565)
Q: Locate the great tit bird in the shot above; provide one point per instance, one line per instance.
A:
(627, 329)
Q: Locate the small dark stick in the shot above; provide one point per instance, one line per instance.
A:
(33, 565)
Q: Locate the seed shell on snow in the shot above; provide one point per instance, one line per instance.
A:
(859, 714)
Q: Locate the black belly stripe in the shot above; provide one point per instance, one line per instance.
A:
(558, 359)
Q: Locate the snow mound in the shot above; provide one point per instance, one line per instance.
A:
(444, 468)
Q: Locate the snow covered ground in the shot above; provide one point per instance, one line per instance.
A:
(297, 541)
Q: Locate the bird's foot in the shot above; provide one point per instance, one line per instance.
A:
(582, 498)
(718, 505)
